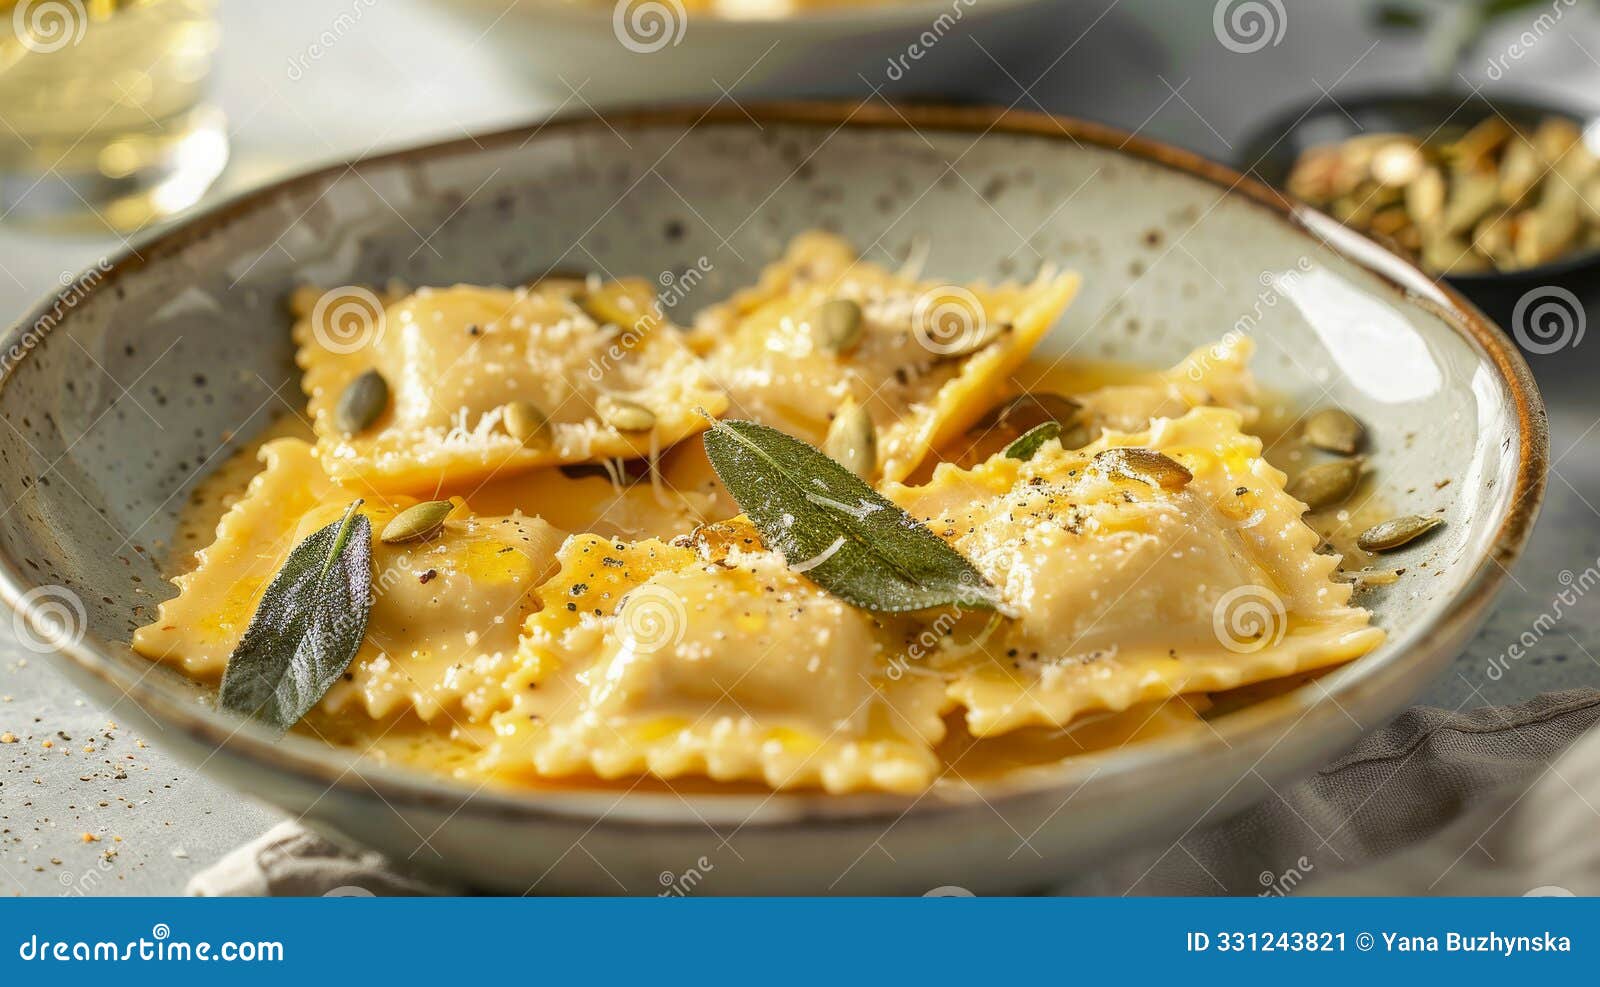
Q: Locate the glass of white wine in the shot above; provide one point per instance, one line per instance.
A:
(103, 115)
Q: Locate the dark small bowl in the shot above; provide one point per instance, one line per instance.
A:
(1271, 151)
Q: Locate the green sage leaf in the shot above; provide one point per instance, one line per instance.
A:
(835, 529)
(307, 628)
(1029, 442)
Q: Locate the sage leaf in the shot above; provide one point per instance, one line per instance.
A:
(1029, 442)
(835, 529)
(307, 628)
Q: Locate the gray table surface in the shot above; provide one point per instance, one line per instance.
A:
(102, 811)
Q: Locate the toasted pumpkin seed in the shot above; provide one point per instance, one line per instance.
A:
(524, 421)
(1144, 465)
(852, 441)
(1326, 484)
(1554, 137)
(1398, 163)
(714, 541)
(625, 415)
(1362, 578)
(1473, 194)
(416, 522)
(1396, 532)
(1448, 254)
(1483, 139)
(362, 401)
(1425, 196)
(1545, 233)
(838, 324)
(617, 303)
(1335, 431)
(1520, 171)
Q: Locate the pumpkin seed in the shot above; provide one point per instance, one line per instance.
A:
(852, 441)
(1520, 171)
(1362, 578)
(617, 303)
(1546, 232)
(1144, 465)
(838, 324)
(1448, 254)
(1554, 137)
(1326, 484)
(1398, 163)
(714, 541)
(1591, 200)
(363, 400)
(1425, 196)
(1483, 139)
(1473, 194)
(1496, 196)
(1335, 431)
(1492, 238)
(524, 421)
(416, 522)
(625, 415)
(1396, 532)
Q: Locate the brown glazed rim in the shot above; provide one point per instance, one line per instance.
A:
(311, 762)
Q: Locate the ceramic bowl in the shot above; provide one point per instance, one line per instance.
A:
(607, 51)
(152, 367)
(1510, 298)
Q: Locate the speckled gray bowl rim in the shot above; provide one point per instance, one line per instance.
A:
(1410, 652)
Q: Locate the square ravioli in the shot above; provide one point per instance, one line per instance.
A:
(1215, 376)
(1085, 404)
(710, 657)
(447, 612)
(486, 381)
(823, 331)
(1143, 566)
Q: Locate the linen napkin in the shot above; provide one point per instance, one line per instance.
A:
(1491, 801)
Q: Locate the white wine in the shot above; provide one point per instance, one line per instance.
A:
(103, 120)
